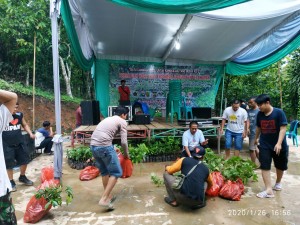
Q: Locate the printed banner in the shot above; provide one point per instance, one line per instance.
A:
(150, 83)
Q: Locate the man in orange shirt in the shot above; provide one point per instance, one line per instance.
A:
(192, 192)
(124, 94)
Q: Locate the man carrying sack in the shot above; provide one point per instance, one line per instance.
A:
(192, 191)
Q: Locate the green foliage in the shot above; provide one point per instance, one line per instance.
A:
(163, 146)
(236, 167)
(156, 180)
(213, 161)
(53, 197)
(138, 153)
(80, 154)
(20, 88)
(231, 169)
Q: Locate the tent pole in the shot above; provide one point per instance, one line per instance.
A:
(221, 108)
(57, 140)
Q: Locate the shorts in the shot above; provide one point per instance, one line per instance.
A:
(280, 161)
(107, 160)
(15, 155)
(238, 140)
(252, 145)
(7, 211)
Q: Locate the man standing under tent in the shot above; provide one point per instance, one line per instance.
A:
(270, 129)
(236, 127)
(252, 114)
(124, 92)
(105, 155)
(8, 102)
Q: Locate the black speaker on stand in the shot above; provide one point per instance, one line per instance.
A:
(90, 112)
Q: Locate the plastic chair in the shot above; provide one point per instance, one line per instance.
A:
(293, 134)
(173, 106)
(186, 110)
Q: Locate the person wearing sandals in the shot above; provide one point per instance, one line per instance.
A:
(105, 154)
(252, 114)
(270, 129)
(192, 192)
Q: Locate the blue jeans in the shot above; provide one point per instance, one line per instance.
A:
(238, 140)
(107, 160)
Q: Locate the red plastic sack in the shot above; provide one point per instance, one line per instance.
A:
(35, 210)
(232, 190)
(48, 183)
(89, 173)
(126, 165)
(218, 182)
(47, 173)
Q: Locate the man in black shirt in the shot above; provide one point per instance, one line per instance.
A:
(15, 152)
(192, 192)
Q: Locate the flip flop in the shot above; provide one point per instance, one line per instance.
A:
(169, 201)
(264, 194)
(277, 187)
(109, 206)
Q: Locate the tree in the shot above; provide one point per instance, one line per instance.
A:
(292, 87)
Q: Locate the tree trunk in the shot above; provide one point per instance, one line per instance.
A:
(27, 78)
(67, 76)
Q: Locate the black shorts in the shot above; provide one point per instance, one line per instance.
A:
(266, 156)
(16, 155)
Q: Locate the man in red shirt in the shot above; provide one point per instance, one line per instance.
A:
(124, 94)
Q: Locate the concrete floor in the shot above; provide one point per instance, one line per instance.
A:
(139, 201)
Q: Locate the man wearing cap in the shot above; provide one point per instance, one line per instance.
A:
(192, 140)
(192, 192)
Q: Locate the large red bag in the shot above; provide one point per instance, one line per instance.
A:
(218, 182)
(35, 210)
(232, 190)
(126, 165)
(89, 173)
(48, 183)
(47, 173)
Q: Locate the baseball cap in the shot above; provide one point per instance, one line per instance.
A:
(199, 153)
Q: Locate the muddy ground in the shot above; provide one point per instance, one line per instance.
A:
(139, 201)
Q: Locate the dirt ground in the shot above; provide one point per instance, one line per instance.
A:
(45, 110)
(139, 201)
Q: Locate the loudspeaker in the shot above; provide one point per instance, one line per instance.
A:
(141, 119)
(201, 112)
(90, 112)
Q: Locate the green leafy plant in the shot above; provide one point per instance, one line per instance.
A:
(53, 197)
(236, 167)
(213, 161)
(138, 153)
(156, 180)
(81, 153)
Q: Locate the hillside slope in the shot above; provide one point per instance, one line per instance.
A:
(45, 110)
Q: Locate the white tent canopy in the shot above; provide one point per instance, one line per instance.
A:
(110, 31)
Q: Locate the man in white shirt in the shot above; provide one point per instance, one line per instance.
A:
(193, 140)
(8, 102)
(236, 127)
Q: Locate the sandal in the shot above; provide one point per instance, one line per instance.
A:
(264, 194)
(109, 206)
(277, 187)
(169, 201)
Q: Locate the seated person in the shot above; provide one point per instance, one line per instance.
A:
(47, 143)
(192, 192)
(192, 140)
